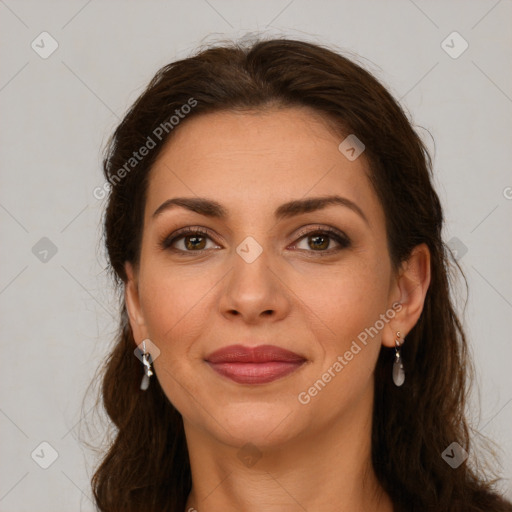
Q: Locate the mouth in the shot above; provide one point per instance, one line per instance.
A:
(256, 365)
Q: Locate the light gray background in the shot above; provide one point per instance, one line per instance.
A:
(57, 317)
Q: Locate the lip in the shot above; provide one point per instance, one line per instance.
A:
(254, 365)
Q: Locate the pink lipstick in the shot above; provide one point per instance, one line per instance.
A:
(257, 365)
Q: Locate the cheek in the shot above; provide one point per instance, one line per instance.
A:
(346, 308)
(345, 312)
(178, 303)
(346, 299)
(174, 308)
(172, 300)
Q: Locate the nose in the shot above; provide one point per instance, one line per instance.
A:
(254, 291)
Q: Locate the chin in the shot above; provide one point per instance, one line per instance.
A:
(264, 425)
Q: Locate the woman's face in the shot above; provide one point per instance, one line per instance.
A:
(258, 278)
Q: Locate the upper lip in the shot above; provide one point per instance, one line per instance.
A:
(258, 354)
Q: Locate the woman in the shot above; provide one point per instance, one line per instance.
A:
(287, 338)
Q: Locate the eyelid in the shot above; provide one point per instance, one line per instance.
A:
(319, 228)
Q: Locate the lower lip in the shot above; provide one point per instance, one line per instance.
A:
(256, 373)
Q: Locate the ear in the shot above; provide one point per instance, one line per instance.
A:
(131, 297)
(409, 289)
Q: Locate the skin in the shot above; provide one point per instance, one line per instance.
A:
(313, 456)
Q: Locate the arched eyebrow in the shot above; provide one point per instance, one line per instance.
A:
(211, 208)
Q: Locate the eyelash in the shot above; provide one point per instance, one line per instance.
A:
(341, 238)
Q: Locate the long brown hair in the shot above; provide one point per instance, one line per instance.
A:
(146, 467)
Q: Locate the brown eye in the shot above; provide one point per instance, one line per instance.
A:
(194, 240)
(320, 241)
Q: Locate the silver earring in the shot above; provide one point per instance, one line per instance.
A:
(398, 366)
(147, 367)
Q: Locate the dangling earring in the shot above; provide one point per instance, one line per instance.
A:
(147, 367)
(398, 367)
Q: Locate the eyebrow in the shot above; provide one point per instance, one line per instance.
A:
(211, 208)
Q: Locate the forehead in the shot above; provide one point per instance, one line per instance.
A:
(254, 161)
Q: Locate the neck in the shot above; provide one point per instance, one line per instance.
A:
(327, 470)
